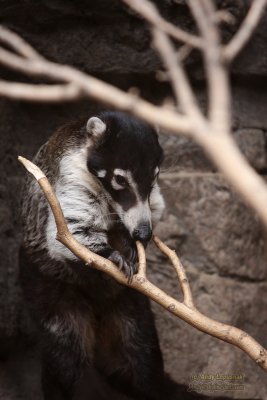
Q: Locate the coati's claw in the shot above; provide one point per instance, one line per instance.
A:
(128, 267)
(133, 255)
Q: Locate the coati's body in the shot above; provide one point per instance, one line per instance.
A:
(104, 173)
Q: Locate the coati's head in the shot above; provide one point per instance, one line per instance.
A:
(125, 156)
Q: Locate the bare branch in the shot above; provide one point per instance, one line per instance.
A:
(224, 152)
(178, 77)
(148, 11)
(188, 299)
(32, 168)
(100, 91)
(243, 35)
(141, 259)
(189, 314)
(18, 44)
(218, 85)
(42, 93)
(214, 138)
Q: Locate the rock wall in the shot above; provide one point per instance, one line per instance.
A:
(218, 238)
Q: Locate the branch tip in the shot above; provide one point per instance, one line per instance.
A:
(32, 168)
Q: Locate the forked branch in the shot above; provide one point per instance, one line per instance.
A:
(246, 30)
(184, 310)
(213, 133)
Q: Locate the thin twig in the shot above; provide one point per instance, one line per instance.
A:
(217, 77)
(179, 80)
(148, 11)
(42, 93)
(184, 283)
(191, 315)
(18, 44)
(244, 33)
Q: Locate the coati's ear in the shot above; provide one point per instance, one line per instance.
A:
(96, 127)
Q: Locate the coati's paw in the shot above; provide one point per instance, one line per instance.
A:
(128, 267)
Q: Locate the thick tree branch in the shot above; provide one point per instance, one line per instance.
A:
(184, 310)
(97, 89)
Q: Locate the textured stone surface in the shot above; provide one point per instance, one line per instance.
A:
(221, 247)
(218, 238)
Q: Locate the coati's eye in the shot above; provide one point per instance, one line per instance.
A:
(120, 180)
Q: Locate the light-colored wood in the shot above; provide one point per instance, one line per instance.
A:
(184, 310)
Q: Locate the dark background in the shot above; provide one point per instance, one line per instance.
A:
(218, 238)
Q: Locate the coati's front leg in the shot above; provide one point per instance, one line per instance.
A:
(114, 244)
(127, 348)
(125, 254)
(119, 249)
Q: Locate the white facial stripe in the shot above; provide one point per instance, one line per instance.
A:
(115, 184)
(126, 175)
(136, 214)
(150, 210)
(118, 171)
(101, 173)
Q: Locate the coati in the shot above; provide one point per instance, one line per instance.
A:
(104, 171)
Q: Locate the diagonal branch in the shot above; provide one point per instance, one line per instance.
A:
(184, 283)
(180, 83)
(18, 44)
(243, 35)
(149, 11)
(185, 310)
(97, 89)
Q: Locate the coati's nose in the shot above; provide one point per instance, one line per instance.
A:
(143, 232)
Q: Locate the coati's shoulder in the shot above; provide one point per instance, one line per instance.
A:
(69, 136)
(34, 210)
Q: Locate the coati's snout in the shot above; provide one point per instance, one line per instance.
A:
(143, 232)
